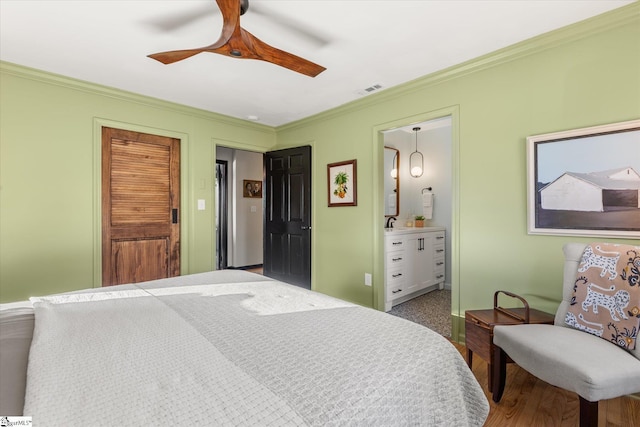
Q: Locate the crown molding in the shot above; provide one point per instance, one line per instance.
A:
(84, 86)
(609, 20)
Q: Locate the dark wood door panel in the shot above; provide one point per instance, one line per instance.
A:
(139, 260)
(297, 208)
(274, 264)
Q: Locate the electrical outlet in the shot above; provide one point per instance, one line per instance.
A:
(367, 279)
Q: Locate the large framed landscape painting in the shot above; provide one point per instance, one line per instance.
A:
(585, 182)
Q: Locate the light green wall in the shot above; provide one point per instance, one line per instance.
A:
(583, 75)
(50, 177)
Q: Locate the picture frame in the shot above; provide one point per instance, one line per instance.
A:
(251, 189)
(342, 183)
(585, 182)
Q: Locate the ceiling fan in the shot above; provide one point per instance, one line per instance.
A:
(236, 42)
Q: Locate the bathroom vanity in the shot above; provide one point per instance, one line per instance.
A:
(414, 263)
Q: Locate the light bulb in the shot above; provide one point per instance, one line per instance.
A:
(394, 173)
(416, 171)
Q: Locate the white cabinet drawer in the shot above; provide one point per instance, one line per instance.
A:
(395, 276)
(395, 243)
(438, 250)
(395, 283)
(395, 259)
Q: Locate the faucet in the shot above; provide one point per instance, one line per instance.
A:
(389, 222)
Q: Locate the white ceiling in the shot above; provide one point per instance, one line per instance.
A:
(361, 43)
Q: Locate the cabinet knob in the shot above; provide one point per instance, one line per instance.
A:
(396, 259)
(440, 276)
(440, 263)
(396, 275)
(439, 237)
(439, 250)
(396, 291)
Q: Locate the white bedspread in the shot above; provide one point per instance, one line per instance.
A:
(253, 353)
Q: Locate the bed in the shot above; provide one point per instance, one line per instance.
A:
(226, 348)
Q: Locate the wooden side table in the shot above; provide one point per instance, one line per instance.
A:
(479, 328)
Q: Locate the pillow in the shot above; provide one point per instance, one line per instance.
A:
(606, 293)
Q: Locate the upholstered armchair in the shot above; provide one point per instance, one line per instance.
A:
(570, 358)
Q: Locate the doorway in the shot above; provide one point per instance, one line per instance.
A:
(140, 206)
(451, 165)
(282, 213)
(239, 216)
(222, 207)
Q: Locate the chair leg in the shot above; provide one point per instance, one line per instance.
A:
(499, 373)
(588, 413)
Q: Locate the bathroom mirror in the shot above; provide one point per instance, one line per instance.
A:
(391, 182)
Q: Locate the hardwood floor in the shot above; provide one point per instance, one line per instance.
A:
(528, 401)
(257, 270)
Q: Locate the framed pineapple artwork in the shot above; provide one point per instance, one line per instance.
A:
(342, 183)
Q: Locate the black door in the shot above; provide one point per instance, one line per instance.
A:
(287, 216)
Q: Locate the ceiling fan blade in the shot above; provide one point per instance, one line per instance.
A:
(314, 37)
(268, 53)
(231, 13)
(178, 20)
(175, 55)
(172, 56)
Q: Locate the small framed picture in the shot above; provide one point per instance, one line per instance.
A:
(342, 183)
(252, 188)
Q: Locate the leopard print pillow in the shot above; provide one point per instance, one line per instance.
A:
(606, 300)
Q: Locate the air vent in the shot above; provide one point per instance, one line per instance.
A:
(369, 90)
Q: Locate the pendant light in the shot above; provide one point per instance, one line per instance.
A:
(394, 169)
(416, 160)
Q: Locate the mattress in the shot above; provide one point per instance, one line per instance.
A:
(235, 348)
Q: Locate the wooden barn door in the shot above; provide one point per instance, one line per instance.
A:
(140, 207)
